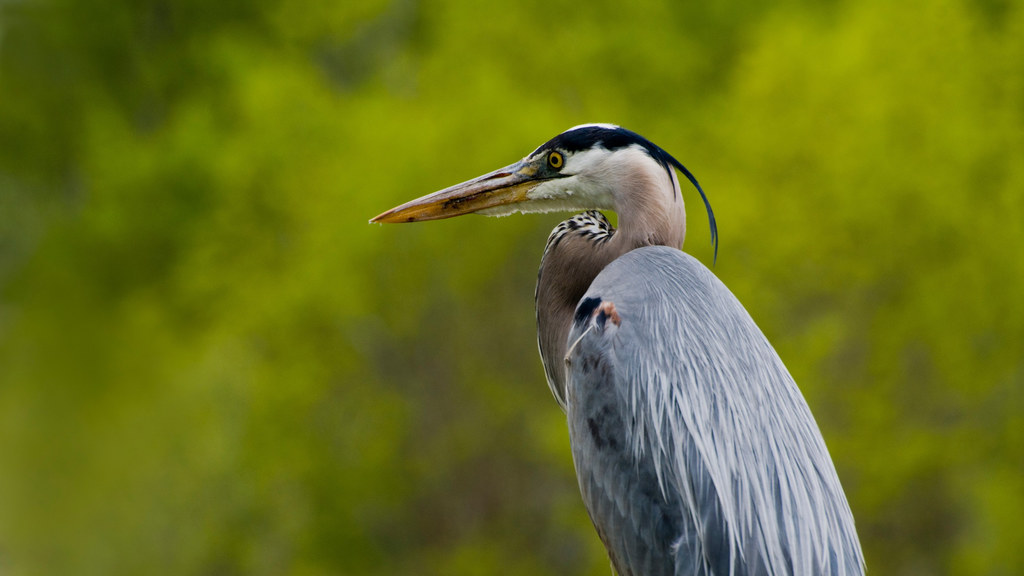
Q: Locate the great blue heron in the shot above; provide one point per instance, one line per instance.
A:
(694, 449)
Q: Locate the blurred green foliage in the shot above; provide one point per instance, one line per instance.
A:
(211, 364)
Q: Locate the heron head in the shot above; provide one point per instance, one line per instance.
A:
(584, 168)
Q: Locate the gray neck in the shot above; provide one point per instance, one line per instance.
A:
(576, 252)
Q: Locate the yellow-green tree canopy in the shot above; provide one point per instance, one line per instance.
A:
(211, 364)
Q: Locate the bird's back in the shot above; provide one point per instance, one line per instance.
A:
(694, 449)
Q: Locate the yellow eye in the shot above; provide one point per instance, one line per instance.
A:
(555, 160)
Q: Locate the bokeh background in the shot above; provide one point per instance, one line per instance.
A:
(211, 364)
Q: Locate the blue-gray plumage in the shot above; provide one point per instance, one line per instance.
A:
(694, 449)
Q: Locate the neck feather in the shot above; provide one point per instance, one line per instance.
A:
(651, 214)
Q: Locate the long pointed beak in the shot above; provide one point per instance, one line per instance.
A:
(507, 185)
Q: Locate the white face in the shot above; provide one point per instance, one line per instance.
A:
(590, 180)
(584, 187)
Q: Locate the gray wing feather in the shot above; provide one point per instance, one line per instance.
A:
(694, 449)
